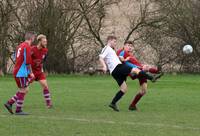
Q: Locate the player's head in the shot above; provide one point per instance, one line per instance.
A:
(42, 40)
(112, 41)
(128, 46)
(30, 36)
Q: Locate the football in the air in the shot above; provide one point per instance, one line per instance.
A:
(187, 49)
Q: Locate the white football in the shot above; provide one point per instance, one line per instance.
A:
(187, 49)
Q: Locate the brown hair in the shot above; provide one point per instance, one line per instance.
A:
(111, 37)
(128, 42)
(29, 35)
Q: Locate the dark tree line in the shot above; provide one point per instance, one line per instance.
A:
(72, 27)
(75, 31)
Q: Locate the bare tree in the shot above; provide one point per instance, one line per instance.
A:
(180, 26)
(94, 13)
(165, 26)
(59, 20)
(5, 20)
(73, 29)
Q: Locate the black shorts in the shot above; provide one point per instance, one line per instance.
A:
(120, 73)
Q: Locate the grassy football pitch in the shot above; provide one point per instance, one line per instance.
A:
(170, 108)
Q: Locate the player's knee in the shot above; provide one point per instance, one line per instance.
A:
(143, 92)
(143, 88)
(24, 90)
(124, 89)
(45, 87)
(135, 71)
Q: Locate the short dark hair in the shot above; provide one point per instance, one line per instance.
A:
(29, 35)
(128, 42)
(111, 37)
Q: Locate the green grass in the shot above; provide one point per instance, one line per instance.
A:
(170, 108)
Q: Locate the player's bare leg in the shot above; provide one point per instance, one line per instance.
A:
(46, 93)
(118, 96)
(139, 95)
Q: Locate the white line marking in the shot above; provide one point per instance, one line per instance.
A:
(106, 122)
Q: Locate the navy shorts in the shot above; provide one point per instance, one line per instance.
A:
(120, 73)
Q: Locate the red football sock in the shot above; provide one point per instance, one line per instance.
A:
(47, 96)
(153, 70)
(136, 99)
(13, 99)
(20, 102)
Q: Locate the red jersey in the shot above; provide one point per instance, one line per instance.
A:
(132, 60)
(38, 56)
(23, 58)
